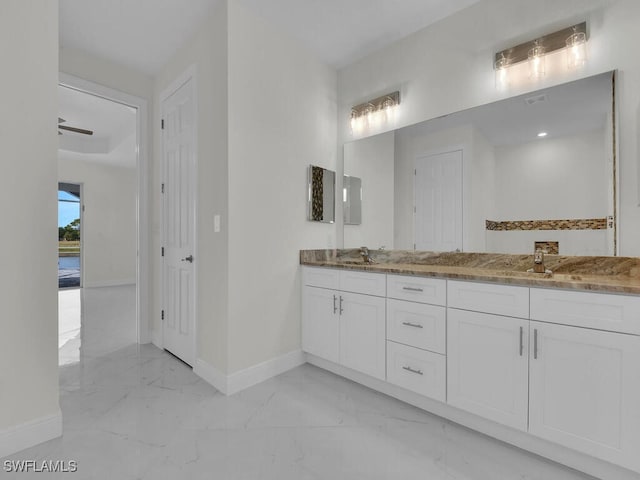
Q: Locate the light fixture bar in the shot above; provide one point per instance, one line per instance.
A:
(550, 43)
(376, 104)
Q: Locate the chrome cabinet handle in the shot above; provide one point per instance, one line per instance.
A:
(335, 307)
(413, 289)
(521, 340)
(409, 369)
(535, 343)
(188, 259)
(341, 309)
(414, 325)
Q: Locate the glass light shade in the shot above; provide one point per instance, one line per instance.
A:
(576, 50)
(389, 108)
(354, 121)
(536, 62)
(502, 76)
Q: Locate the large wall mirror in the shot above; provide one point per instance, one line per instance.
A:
(536, 170)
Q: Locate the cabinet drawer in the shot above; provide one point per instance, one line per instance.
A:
(362, 282)
(417, 289)
(416, 370)
(506, 300)
(616, 313)
(416, 324)
(320, 277)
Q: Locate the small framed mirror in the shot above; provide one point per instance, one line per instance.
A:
(352, 200)
(321, 195)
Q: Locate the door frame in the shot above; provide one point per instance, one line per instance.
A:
(142, 170)
(189, 74)
(465, 187)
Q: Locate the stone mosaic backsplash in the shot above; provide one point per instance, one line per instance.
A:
(572, 224)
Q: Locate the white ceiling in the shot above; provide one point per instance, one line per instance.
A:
(568, 109)
(143, 34)
(343, 31)
(114, 129)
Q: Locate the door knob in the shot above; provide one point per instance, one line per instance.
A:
(188, 259)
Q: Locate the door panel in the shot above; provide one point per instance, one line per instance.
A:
(320, 322)
(179, 223)
(438, 202)
(362, 334)
(487, 366)
(585, 391)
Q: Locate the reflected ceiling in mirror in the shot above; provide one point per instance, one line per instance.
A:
(538, 167)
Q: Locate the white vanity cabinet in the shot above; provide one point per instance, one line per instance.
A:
(584, 388)
(558, 367)
(487, 354)
(341, 325)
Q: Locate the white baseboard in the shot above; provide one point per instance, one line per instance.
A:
(109, 283)
(28, 434)
(211, 375)
(237, 381)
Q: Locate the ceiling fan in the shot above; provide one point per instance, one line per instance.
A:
(71, 129)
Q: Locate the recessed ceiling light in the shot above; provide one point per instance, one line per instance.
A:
(542, 134)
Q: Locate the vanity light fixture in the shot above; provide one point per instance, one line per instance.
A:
(573, 39)
(374, 113)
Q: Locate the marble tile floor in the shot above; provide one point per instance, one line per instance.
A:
(138, 413)
(95, 321)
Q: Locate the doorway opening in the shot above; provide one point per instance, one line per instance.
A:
(69, 235)
(102, 185)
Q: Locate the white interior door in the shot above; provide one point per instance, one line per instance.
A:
(178, 139)
(438, 202)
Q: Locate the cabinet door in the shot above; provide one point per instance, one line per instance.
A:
(585, 391)
(362, 333)
(320, 322)
(487, 366)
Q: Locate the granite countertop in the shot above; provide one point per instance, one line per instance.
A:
(605, 274)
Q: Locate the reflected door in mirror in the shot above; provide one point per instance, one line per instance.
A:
(438, 202)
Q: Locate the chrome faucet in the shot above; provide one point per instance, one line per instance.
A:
(538, 263)
(366, 256)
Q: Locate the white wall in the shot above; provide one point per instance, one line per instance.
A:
(28, 284)
(206, 51)
(372, 159)
(109, 220)
(282, 117)
(458, 74)
(552, 178)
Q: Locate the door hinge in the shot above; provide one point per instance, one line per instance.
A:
(162, 124)
(162, 188)
(162, 315)
(162, 251)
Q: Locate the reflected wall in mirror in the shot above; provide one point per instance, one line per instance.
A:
(321, 195)
(351, 200)
(539, 167)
